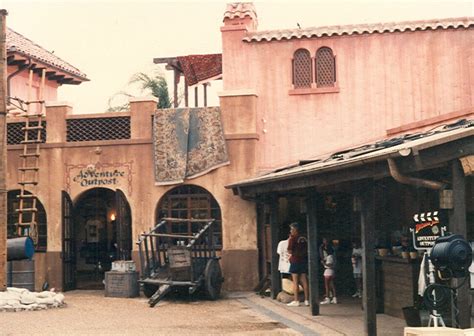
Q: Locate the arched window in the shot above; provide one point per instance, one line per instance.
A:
(302, 69)
(190, 202)
(13, 205)
(325, 67)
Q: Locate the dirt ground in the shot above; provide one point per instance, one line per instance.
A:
(90, 313)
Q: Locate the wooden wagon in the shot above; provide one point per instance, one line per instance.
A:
(179, 261)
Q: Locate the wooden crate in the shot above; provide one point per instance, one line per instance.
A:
(121, 284)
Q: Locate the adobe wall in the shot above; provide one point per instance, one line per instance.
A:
(385, 81)
(61, 164)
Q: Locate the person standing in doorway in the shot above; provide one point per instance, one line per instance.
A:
(357, 268)
(298, 250)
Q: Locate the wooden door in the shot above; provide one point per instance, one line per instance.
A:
(124, 227)
(69, 244)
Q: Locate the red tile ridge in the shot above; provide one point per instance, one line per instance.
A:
(352, 29)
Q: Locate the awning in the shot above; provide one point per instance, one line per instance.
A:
(368, 161)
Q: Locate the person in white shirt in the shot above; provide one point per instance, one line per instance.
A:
(357, 268)
(329, 274)
(284, 262)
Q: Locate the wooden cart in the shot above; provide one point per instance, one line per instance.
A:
(179, 261)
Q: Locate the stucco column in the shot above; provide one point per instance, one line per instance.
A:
(141, 110)
(56, 114)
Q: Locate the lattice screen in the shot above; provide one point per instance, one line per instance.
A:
(93, 129)
(15, 134)
(325, 67)
(302, 72)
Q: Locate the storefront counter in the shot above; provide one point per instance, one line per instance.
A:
(397, 282)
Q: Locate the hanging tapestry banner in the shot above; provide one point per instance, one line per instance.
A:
(187, 143)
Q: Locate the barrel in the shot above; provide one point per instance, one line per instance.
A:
(21, 274)
(20, 248)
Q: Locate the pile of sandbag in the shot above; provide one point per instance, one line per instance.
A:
(19, 299)
(286, 295)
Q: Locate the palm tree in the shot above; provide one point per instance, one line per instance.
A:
(156, 84)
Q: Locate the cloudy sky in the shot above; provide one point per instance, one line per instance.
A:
(110, 40)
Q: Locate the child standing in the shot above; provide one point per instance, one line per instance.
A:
(329, 275)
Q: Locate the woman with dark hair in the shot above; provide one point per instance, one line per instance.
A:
(326, 253)
(298, 251)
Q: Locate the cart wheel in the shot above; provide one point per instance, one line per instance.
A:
(213, 279)
(149, 290)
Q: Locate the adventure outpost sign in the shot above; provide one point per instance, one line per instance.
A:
(99, 175)
(88, 178)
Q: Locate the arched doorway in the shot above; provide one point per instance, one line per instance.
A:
(12, 214)
(190, 202)
(96, 231)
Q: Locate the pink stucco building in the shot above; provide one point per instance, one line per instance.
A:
(315, 122)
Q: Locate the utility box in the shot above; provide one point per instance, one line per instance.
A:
(121, 284)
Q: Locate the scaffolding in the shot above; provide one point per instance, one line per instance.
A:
(33, 111)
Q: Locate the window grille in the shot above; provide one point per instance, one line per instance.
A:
(302, 72)
(15, 134)
(325, 67)
(94, 129)
(190, 202)
(12, 218)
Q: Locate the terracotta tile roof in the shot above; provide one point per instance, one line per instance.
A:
(359, 29)
(240, 10)
(17, 43)
(199, 68)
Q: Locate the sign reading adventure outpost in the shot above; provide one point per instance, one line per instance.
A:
(87, 178)
(428, 227)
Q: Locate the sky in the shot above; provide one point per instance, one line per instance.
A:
(110, 40)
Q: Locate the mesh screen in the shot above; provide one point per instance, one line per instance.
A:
(302, 69)
(325, 68)
(15, 134)
(94, 129)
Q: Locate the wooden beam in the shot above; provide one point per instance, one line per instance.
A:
(204, 86)
(274, 233)
(369, 302)
(312, 206)
(458, 225)
(175, 88)
(3, 152)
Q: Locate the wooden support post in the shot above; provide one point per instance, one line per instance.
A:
(186, 93)
(312, 207)
(368, 259)
(274, 233)
(458, 225)
(175, 88)
(196, 100)
(3, 152)
(204, 86)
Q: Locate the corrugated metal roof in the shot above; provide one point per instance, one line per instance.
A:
(368, 153)
(17, 43)
(390, 27)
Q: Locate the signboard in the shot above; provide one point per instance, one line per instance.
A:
(116, 175)
(428, 226)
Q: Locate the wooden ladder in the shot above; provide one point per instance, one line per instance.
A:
(29, 164)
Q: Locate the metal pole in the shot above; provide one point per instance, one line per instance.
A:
(3, 152)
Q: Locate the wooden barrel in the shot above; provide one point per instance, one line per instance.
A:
(21, 274)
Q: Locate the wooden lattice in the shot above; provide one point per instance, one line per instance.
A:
(302, 72)
(325, 67)
(98, 129)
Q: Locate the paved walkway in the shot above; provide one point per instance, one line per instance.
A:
(341, 319)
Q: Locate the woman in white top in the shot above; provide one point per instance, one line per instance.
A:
(329, 275)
